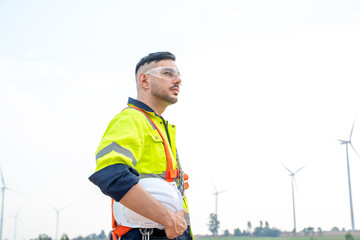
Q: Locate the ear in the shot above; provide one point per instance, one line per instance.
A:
(144, 81)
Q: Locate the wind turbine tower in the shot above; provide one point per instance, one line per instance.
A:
(292, 174)
(347, 142)
(216, 193)
(57, 221)
(3, 188)
(16, 220)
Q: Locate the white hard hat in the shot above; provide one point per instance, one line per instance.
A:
(163, 191)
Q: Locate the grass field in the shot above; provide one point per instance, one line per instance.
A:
(336, 237)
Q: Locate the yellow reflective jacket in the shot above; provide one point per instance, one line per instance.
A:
(131, 139)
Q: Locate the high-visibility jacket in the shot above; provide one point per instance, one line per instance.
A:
(132, 140)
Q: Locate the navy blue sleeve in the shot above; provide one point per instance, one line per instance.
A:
(115, 180)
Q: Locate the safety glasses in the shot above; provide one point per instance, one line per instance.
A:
(170, 73)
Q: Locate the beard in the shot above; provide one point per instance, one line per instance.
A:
(163, 94)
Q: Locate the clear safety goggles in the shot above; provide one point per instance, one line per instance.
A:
(170, 73)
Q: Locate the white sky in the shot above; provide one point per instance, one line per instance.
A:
(265, 83)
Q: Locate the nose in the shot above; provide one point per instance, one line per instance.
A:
(177, 80)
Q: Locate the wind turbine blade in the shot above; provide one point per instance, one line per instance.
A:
(214, 186)
(13, 190)
(63, 208)
(299, 169)
(2, 177)
(222, 191)
(352, 128)
(341, 141)
(287, 168)
(354, 150)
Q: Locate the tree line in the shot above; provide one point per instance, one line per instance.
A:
(92, 236)
(263, 230)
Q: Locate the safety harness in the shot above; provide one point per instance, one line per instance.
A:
(170, 174)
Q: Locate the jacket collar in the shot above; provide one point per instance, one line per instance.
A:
(141, 105)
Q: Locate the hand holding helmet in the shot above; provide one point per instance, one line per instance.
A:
(164, 192)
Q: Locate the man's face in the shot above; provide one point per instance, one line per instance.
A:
(165, 81)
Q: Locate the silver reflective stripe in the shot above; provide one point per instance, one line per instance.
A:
(187, 218)
(181, 185)
(152, 125)
(151, 175)
(117, 148)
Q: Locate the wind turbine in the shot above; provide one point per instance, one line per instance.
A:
(216, 193)
(3, 188)
(57, 220)
(292, 174)
(16, 219)
(347, 142)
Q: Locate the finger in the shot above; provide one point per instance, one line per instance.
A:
(182, 212)
(171, 235)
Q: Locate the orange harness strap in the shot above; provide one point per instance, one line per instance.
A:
(118, 231)
(170, 172)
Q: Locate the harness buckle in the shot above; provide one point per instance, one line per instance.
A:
(145, 233)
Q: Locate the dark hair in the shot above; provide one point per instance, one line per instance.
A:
(154, 57)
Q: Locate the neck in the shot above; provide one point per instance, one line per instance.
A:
(156, 105)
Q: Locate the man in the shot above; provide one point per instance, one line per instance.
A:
(131, 148)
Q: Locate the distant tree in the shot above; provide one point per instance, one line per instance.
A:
(348, 236)
(335, 229)
(249, 227)
(266, 232)
(78, 238)
(213, 224)
(64, 237)
(102, 235)
(274, 232)
(237, 232)
(319, 231)
(266, 224)
(308, 231)
(258, 232)
(91, 236)
(343, 229)
(43, 237)
(226, 233)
